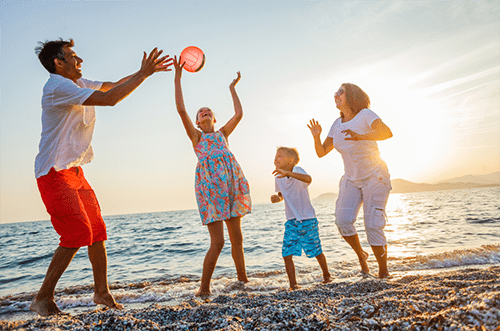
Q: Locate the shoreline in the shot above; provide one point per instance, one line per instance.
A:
(461, 299)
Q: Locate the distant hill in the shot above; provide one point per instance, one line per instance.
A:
(403, 186)
(326, 197)
(493, 178)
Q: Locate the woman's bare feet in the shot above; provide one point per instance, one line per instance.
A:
(363, 263)
(44, 307)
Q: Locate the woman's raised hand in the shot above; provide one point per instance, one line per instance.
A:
(315, 128)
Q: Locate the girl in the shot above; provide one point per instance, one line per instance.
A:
(366, 179)
(222, 191)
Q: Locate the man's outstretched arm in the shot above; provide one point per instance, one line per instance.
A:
(120, 90)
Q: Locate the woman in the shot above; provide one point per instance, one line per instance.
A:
(366, 178)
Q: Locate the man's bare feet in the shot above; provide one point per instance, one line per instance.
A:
(107, 300)
(384, 274)
(44, 307)
(294, 287)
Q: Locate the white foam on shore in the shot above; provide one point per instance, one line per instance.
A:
(15, 307)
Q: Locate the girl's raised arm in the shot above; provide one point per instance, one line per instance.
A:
(238, 109)
(191, 131)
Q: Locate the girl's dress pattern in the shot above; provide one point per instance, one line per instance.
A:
(222, 190)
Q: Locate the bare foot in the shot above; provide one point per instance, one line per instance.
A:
(107, 300)
(384, 274)
(203, 293)
(243, 279)
(362, 262)
(294, 287)
(326, 279)
(44, 307)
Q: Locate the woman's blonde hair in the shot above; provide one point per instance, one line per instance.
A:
(356, 98)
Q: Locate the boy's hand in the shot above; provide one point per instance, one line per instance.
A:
(275, 198)
(280, 173)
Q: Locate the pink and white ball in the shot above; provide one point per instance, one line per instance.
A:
(193, 59)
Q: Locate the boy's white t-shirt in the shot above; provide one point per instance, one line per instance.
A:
(296, 195)
(67, 125)
(361, 158)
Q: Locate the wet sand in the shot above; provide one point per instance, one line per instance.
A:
(462, 299)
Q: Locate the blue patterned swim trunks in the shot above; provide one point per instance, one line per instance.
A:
(301, 235)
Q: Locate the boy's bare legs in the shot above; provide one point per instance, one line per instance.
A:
(324, 267)
(380, 253)
(290, 271)
(99, 260)
(43, 303)
(236, 237)
(353, 241)
(216, 230)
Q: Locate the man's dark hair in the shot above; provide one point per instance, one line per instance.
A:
(49, 50)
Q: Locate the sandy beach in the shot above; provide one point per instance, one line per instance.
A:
(462, 299)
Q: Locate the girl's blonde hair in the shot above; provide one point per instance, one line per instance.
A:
(291, 152)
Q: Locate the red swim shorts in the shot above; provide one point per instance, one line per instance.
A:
(72, 204)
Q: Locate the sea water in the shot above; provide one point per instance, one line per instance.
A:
(158, 257)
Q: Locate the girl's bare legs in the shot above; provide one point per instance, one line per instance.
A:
(216, 230)
(236, 237)
(353, 241)
(380, 253)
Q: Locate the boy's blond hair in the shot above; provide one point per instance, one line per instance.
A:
(291, 152)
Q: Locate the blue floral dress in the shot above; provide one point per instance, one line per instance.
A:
(222, 190)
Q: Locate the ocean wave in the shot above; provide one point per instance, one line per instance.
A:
(175, 288)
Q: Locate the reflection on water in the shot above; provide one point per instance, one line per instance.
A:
(172, 244)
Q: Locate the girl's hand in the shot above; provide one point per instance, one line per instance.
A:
(280, 173)
(235, 81)
(315, 128)
(353, 135)
(178, 67)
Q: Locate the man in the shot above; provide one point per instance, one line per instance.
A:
(68, 119)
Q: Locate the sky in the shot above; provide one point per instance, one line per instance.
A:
(431, 69)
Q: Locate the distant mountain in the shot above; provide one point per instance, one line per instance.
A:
(493, 178)
(403, 186)
(326, 197)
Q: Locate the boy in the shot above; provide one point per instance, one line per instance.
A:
(301, 228)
